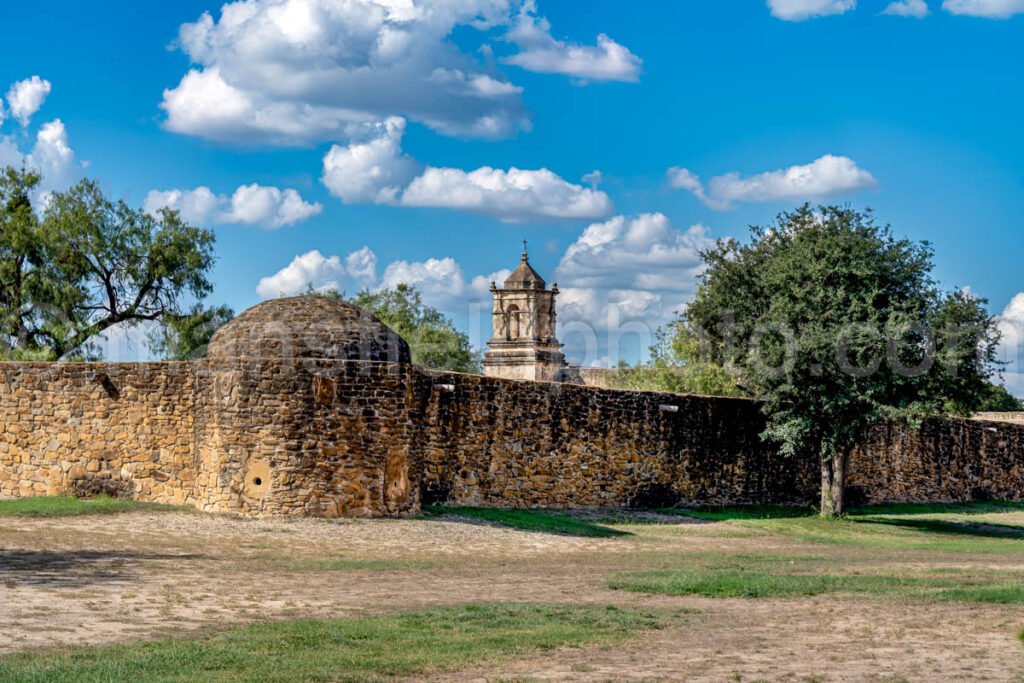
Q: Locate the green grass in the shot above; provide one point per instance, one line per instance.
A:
(989, 528)
(725, 584)
(70, 506)
(956, 527)
(731, 583)
(533, 520)
(743, 512)
(748, 512)
(938, 508)
(357, 649)
(870, 546)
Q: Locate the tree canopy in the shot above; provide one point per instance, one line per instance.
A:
(433, 339)
(838, 325)
(185, 336)
(677, 365)
(999, 400)
(83, 263)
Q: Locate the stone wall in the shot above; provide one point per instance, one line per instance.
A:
(319, 437)
(950, 459)
(255, 436)
(492, 442)
(499, 443)
(1016, 416)
(87, 428)
(304, 437)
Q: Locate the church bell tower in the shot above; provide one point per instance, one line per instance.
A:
(524, 345)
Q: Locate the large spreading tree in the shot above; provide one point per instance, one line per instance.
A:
(839, 325)
(81, 263)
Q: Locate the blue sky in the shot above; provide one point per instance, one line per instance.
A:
(369, 127)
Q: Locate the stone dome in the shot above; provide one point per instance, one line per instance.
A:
(310, 326)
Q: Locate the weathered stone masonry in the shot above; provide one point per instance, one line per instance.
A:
(309, 431)
(494, 442)
(88, 428)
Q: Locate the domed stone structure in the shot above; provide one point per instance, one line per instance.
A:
(308, 327)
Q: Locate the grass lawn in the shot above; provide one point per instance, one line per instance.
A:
(730, 583)
(70, 506)
(995, 527)
(884, 533)
(533, 520)
(358, 649)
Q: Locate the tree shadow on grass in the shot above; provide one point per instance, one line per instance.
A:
(976, 508)
(942, 526)
(544, 521)
(73, 568)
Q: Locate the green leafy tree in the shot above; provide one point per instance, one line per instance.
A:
(677, 366)
(21, 280)
(86, 263)
(433, 339)
(838, 325)
(185, 336)
(999, 400)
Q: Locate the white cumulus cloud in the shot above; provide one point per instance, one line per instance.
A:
(917, 9)
(1011, 347)
(376, 170)
(639, 268)
(512, 195)
(441, 281)
(26, 97)
(362, 266)
(54, 158)
(372, 168)
(824, 177)
(540, 52)
(309, 270)
(800, 10)
(989, 9)
(195, 206)
(436, 279)
(51, 154)
(249, 205)
(10, 155)
(255, 204)
(297, 72)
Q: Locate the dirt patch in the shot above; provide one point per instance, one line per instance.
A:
(102, 579)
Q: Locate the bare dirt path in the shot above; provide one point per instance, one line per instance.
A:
(101, 579)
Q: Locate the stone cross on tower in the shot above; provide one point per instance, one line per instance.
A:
(524, 345)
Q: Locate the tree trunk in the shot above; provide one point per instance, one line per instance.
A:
(833, 484)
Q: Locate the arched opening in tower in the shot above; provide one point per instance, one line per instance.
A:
(513, 323)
